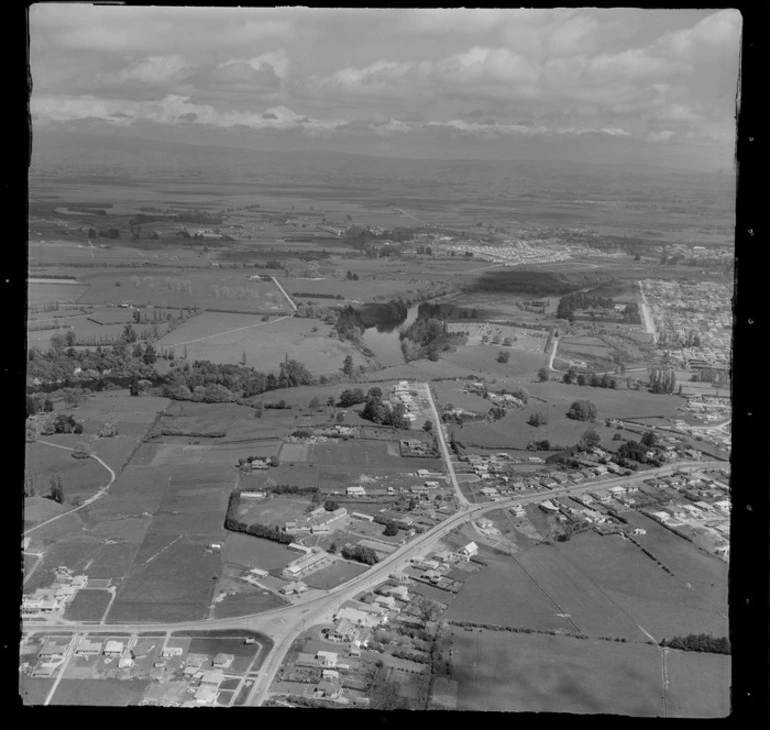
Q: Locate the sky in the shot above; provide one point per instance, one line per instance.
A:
(605, 85)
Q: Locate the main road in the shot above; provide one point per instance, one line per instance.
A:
(284, 625)
(461, 500)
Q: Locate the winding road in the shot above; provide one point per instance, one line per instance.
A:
(102, 491)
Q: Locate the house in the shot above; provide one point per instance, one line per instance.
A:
(328, 690)
(172, 651)
(87, 647)
(385, 601)
(294, 588)
(355, 491)
(640, 531)
(362, 516)
(330, 674)
(113, 648)
(399, 592)
(297, 548)
(53, 649)
(327, 658)
(223, 661)
(344, 630)
(206, 694)
(485, 524)
(400, 578)
(489, 492)
(126, 660)
(259, 573)
(212, 677)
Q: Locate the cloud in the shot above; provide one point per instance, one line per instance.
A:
(155, 70)
(664, 135)
(718, 32)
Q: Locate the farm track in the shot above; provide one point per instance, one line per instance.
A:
(228, 332)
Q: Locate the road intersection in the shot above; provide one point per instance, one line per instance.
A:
(284, 625)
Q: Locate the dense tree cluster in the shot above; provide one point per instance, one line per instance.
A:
(63, 423)
(581, 300)
(582, 410)
(351, 397)
(377, 411)
(662, 380)
(699, 642)
(538, 419)
(209, 382)
(360, 554)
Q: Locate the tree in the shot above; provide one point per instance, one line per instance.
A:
(581, 379)
(582, 410)
(129, 334)
(347, 366)
(330, 505)
(542, 375)
(351, 397)
(149, 356)
(340, 417)
(590, 439)
(330, 401)
(315, 403)
(374, 392)
(108, 430)
(427, 426)
(503, 357)
(30, 489)
(243, 358)
(81, 450)
(390, 530)
(570, 376)
(56, 489)
(333, 548)
(30, 432)
(649, 439)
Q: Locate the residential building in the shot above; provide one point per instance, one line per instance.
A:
(88, 647)
(223, 661)
(327, 658)
(113, 648)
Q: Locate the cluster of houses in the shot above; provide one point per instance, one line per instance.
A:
(693, 319)
(324, 434)
(55, 598)
(518, 252)
(318, 521)
(408, 398)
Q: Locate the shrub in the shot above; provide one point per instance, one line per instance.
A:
(81, 451)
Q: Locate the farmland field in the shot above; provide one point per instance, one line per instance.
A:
(512, 672)
(245, 603)
(504, 594)
(693, 600)
(700, 684)
(88, 605)
(170, 580)
(223, 338)
(171, 288)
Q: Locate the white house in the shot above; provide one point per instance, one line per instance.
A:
(327, 658)
(469, 550)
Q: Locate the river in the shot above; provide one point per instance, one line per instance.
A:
(383, 339)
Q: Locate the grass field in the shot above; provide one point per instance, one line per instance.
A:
(81, 478)
(100, 692)
(509, 672)
(700, 684)
(334, 575)
(223, 338)
(170, 579)
(165, 288)
(253, 552)
(34, 690)
(504, 594)
(274, 512)
(482, 359)
(88, 605)
(694, 600)
(45, 293)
